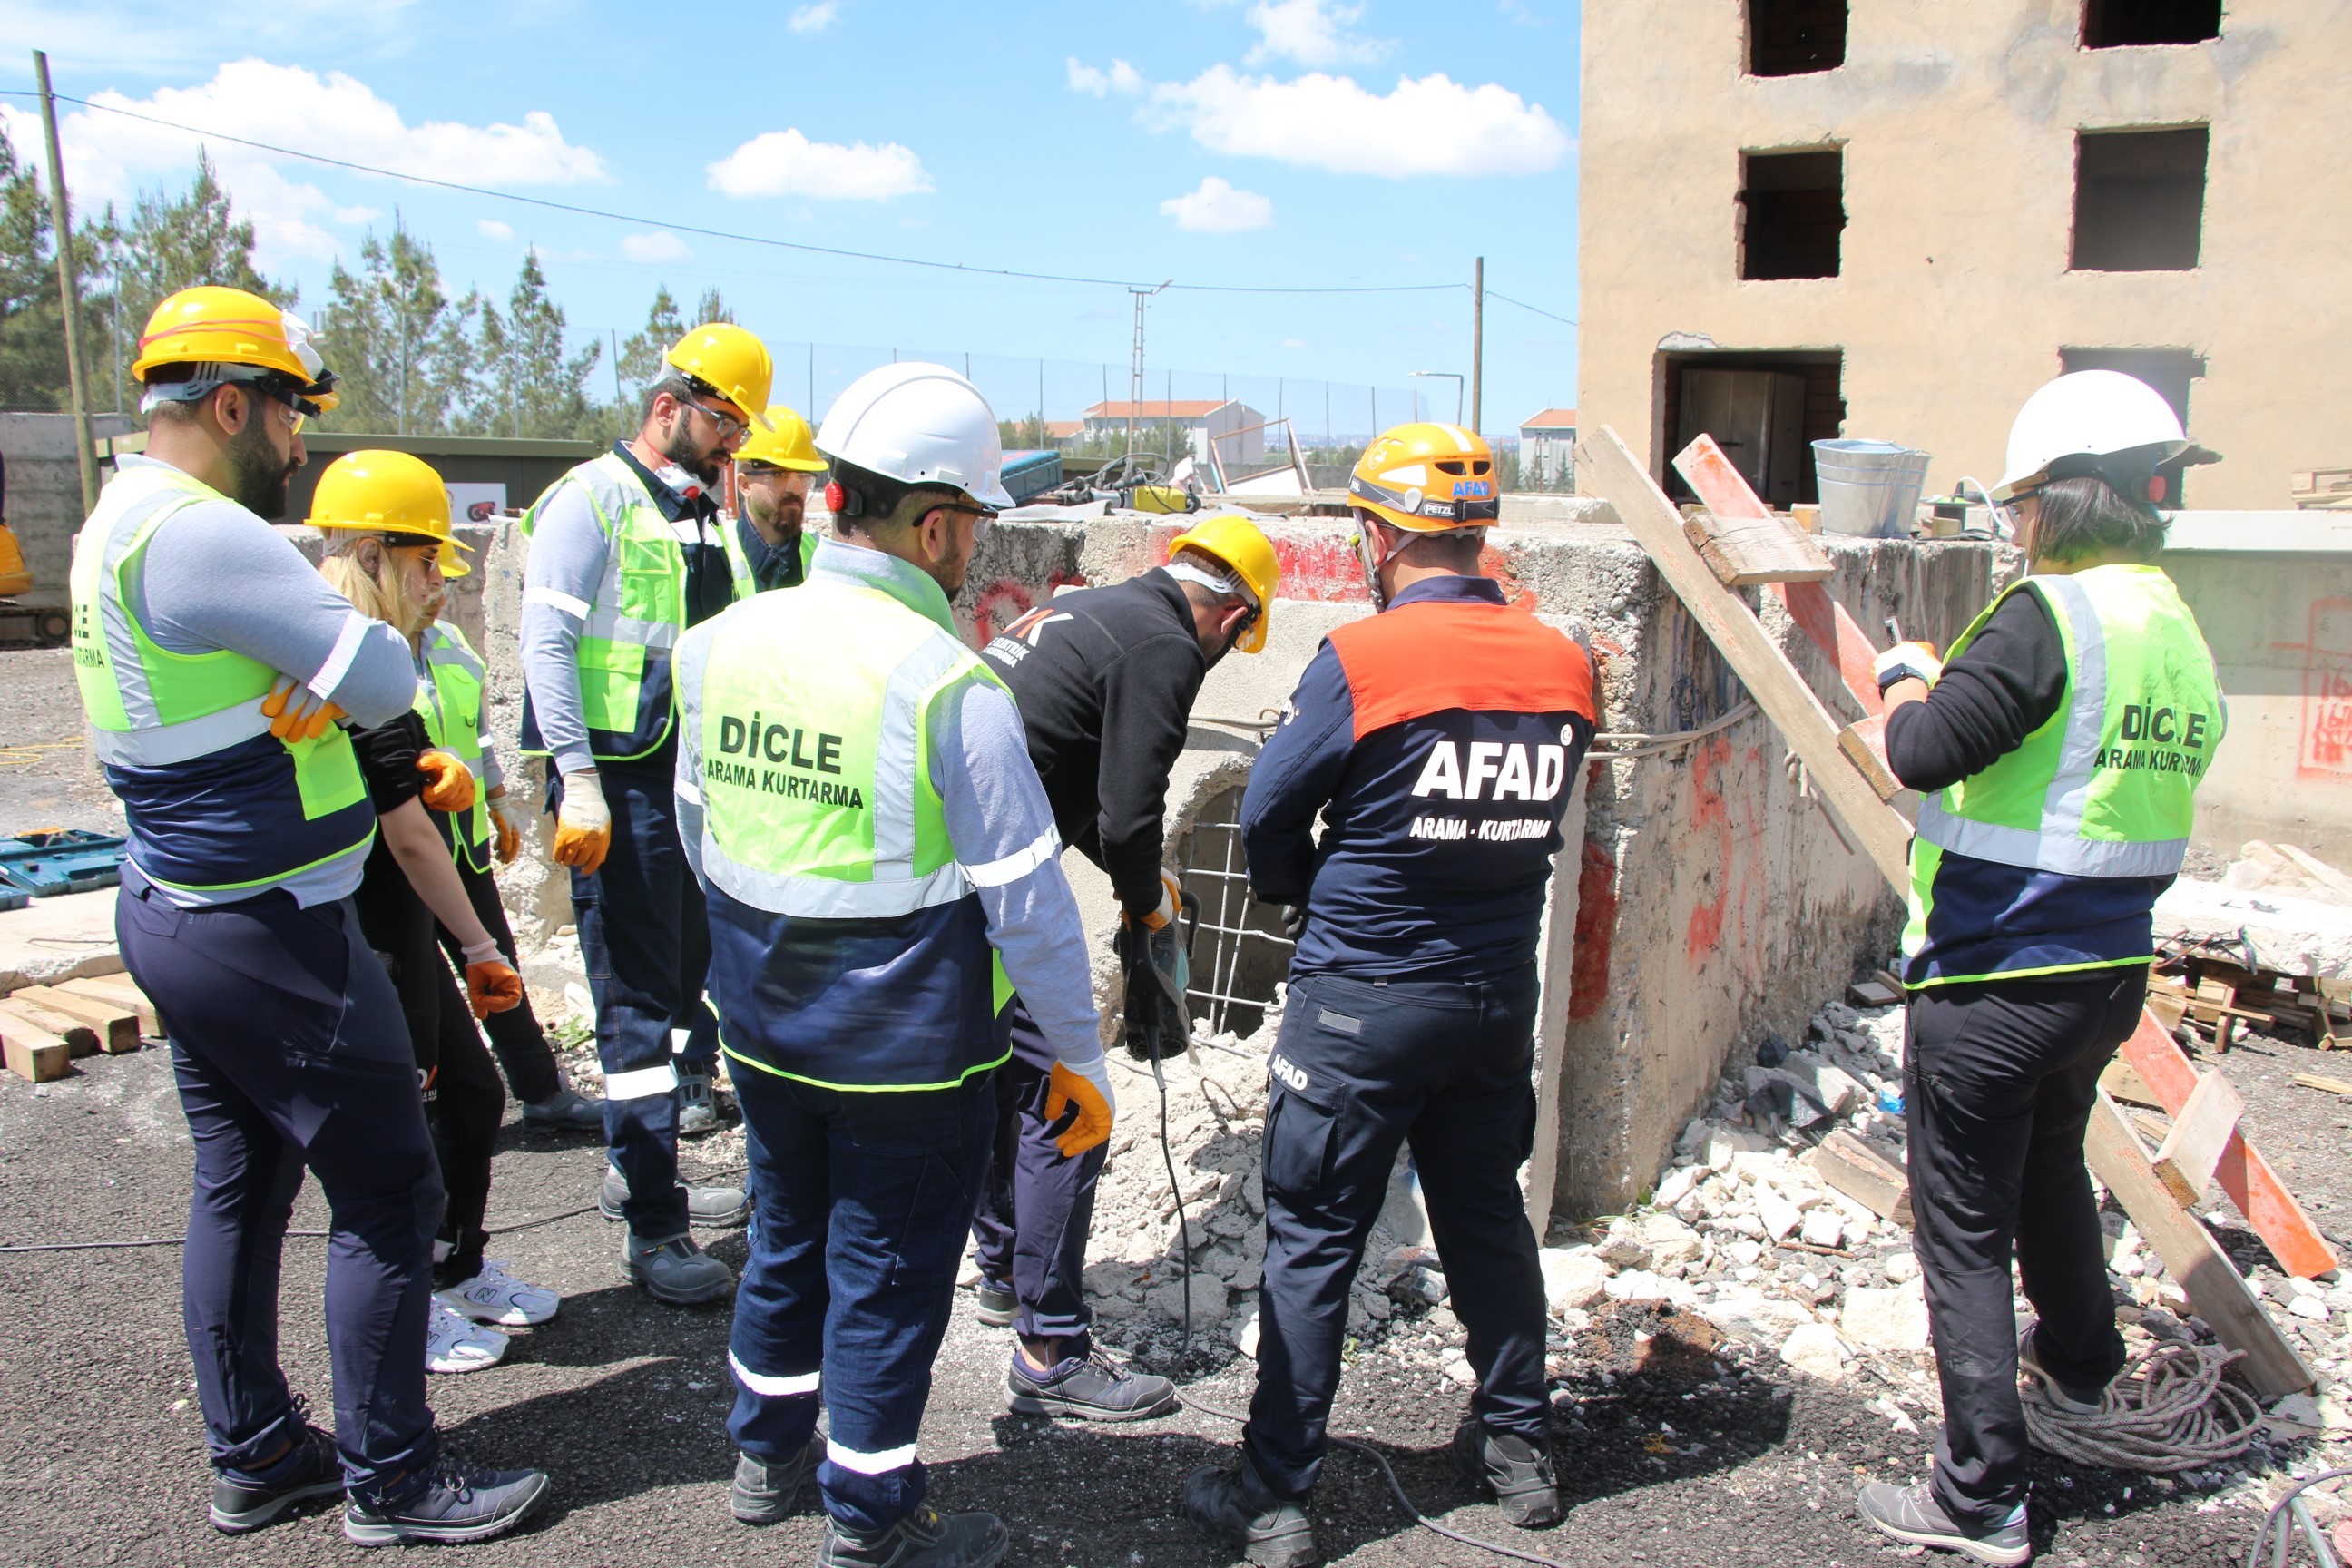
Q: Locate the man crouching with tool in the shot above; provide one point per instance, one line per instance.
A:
(1105, 679)
(1438, 740)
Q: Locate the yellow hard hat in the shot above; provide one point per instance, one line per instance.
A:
(1427, 477)
(1240, 546)
(786, 443)
(393, 493)
(729, 360)
(220, 327)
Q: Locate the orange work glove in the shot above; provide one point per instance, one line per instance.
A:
(583, 827)
(1088, 1087)
(450, 785)
(506, 825)
(491, 983)
(1170, 896)
(297, 713)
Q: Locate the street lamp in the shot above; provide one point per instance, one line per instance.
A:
(1456, 379)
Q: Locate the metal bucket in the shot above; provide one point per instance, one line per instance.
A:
(1869, 489)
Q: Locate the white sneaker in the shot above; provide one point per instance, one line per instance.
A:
(454, 1344)
(494, 1296)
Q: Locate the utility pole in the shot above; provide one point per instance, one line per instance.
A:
(1135, 365)
(69, 292)
(1478, 343)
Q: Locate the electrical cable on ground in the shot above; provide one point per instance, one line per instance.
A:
(534, 1221)
(2293, 1503)
(2168, 1409)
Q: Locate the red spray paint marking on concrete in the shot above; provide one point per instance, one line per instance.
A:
(2324, 750)
(1008, 601)
(1320, 565)
(1596, 926)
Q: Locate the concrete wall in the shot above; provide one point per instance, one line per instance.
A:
(44, 498)
(1954, 300)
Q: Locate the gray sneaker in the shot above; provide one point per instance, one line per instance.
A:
(308, 1469)
(1091, 1387)
(676, 1270)
(2074, 1400)
(459, 1502)
(1912, 1514)
(712, 1208)
(698, 1104)
(763, 1489)
(565, 1110)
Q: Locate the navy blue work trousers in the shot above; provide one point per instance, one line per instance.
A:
(645, 940)
(1361, 1068)
(862, 1203)
(1037, 1205)
(290, 1048)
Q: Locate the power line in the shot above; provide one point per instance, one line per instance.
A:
(1523, 305)
(742, 238)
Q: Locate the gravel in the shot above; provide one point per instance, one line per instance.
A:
(48, 778)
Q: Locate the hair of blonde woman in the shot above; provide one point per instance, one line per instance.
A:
(379, 597)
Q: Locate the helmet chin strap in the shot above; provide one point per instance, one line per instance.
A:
(1367, 545)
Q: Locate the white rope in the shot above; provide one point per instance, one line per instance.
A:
(2168, 1409)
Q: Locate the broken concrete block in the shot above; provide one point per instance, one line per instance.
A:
(1573, 1277)
(1246, 1335)
(1744, 1252)
(1724, 1141)
(1814, 1349)
(1208, 1299)
(1779, 1216)
(1831, 1088)
(1901, 1267)
(1624, 1249)
(1823, 1227)
(1668, 1239)
(1636, 1285)
(1894, 1320)
(1750, 1315)
(1677, 1185)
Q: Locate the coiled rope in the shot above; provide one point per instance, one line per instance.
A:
(2169, 1409)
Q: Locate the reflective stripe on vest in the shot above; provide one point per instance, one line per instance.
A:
(738, 566)
(638, 611)
(2105, 787)
(450, 701)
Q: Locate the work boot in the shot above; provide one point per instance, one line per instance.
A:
(1090, 1387)
(712, 1208)
(1233, 1504)
(1518, 1474)
(924, 1539)
(676, 1270)
(698, 1103)
(1912, 1514)
(565, 1110)
(995, 1303)
(307, 1470)
(2072, 1401)
(764, 1488)
(457, 1503)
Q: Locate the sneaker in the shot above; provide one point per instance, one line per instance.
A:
(712, 1208)
(495, 1296)
(310, 1471)
(1092, 1387)
(1514, 1471)
(995, 1303)
(698, 1103)
(924, 1539)
(453, 1343)
(764, 1488)
(676, 1270)
(1233, 1504)
(1912, 1514)
(565, 1110)
(457, 1503)
(2074, 1400)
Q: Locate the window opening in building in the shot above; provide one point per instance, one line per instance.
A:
(2129, 23)
(1239, 952)
(1793, 211)
(2139, 199)
(1792, 37)
(2169, 371)
(1765, 409)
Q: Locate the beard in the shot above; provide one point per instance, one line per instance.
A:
(785, 515)
(260, 474)
(680, 448)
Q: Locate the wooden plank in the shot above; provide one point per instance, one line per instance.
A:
(2204, 1127)
(32, 1052)
(2191, 1255)
(2331, 1085)
(2121, 1082)
(81, 1037)
(1873, 993)
(117, 1027)
(1611, 472)
(1864, 741)
(1744, 551)
(1863, 1174)
(2243, 1174)
(121, 990)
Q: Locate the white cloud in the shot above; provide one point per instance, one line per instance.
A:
(815, 19)
(659, 246)
(1294, 343)
(787, 163)
(1122, 79)
(1311, 32)
(491, 229)
(1429, 126)
(111, 158)
(1217, 207)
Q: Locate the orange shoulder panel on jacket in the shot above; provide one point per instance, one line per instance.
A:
(1429, 656)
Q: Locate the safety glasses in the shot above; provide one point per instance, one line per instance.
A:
(731, 430)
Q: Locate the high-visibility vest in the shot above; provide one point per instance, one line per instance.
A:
(218, 804)
(450, 701)
(632, 623)
(747, 581)
(2106, 786)
(818, 804)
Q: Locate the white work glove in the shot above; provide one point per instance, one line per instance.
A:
(1085, 1085)
(1907, 662)
(509, 826)
(583, 827)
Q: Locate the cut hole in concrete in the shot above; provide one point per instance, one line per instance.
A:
(1239, 952)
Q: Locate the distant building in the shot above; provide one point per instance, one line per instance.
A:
(1548, 450)
(1238, 430)
(1062, 432)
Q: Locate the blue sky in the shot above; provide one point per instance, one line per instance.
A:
(1286, 142)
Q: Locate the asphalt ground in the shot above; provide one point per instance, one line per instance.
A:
(48, 778)
(623, 1401)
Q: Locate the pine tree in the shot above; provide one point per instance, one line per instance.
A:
(641, 354)
(527, 387)
(403, 353)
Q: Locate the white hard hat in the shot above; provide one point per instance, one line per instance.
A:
(920, 425)
(2088, 413)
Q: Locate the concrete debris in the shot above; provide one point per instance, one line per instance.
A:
(1892, 1320)
(1814, 1348)
(1574, 1276)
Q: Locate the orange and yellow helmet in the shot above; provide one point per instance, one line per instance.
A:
(1428, 478)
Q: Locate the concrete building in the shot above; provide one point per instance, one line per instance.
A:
(1801, 218)
(1548, 450)
(1237, 429)
(42, 500)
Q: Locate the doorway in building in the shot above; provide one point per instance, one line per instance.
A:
(2171, 372)
(1764, 407)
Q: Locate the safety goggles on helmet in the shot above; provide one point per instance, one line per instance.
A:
(303, 401)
